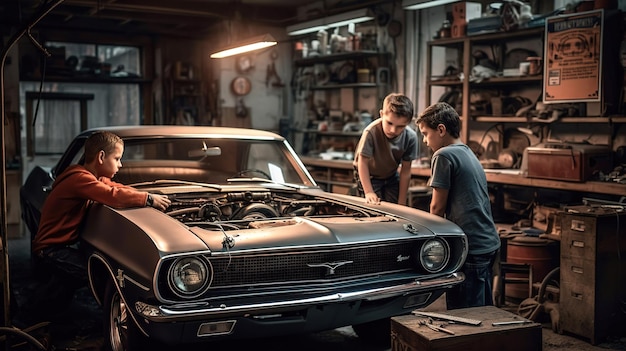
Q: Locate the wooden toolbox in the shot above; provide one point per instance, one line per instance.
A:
(407, 334)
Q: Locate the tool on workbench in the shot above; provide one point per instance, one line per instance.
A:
(448, 317)
(429, 324)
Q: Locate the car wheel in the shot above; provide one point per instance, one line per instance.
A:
(120, 331)
(376, 332)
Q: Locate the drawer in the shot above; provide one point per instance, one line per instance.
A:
(578, 224)
(577, 243)
(577, 269)
(577, 308)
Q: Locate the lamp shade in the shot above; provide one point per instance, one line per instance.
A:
(342, 19)
(251, 44)
(424, 4)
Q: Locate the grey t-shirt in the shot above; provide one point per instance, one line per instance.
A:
(456, 168)
(385, 154)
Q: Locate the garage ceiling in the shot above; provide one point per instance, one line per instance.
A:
(170, 17)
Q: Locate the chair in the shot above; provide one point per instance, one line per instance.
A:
(419, 197)
(510, 273)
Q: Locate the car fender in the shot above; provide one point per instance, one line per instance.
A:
(134, 240)
(100, 273)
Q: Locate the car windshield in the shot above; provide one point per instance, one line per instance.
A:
(216, 161)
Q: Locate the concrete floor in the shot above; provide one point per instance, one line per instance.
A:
(80, 327)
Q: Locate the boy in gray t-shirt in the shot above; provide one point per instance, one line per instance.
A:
(385, 144)
(460, 194)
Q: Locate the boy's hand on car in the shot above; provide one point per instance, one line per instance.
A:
(160, 202)
(372, 198)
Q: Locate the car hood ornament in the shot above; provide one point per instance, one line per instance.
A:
(330, 265)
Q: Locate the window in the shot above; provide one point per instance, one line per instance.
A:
(56, 122)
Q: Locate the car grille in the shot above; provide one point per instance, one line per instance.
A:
(313, 265)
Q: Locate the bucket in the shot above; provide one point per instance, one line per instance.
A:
(363, 75)
(541, 254)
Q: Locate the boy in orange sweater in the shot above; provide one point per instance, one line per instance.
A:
(55, 245)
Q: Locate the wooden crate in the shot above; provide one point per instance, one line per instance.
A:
(408, 335)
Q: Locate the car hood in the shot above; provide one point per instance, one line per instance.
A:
(256, 218)
(303, 231)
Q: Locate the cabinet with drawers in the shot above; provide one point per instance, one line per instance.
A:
(593, 267)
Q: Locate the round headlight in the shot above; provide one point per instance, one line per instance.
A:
(188, 276)
(434, 255)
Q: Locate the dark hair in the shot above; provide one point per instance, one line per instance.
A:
(441, 113)
(101, 140)
(398, 104)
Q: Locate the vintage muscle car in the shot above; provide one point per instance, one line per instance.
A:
(250, 247)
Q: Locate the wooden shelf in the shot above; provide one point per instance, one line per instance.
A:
(446, 82)
(493, 176)
(89, 79)
(348, 55)
(339, 86)
(508, 35)
(508, 80)
(582, 119)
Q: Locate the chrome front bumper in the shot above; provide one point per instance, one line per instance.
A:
(194, 310)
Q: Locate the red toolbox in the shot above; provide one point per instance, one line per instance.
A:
(569, 162)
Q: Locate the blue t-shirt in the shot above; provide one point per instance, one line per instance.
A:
(456, 168)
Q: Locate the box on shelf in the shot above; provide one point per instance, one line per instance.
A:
(483, 25)
(567, 161)
(466, 10)
(462, 12)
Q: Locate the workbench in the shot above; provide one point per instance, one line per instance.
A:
(331, 174)
(499, 330)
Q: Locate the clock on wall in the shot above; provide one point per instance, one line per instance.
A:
(240, 86)
(244, 64)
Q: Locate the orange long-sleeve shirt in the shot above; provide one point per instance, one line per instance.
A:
(66, 205)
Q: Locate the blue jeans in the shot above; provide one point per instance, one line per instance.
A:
(386, 189)
(61, 271)
(476, 289)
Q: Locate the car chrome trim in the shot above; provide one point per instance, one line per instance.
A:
(368, 295)
(330, 246)
(136, 283)
(229, 324)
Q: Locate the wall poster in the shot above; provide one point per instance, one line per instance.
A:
(573, 58)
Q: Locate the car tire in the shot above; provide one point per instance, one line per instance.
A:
(376, 332)
(120, 331)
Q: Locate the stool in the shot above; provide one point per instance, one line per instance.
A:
(419, 197)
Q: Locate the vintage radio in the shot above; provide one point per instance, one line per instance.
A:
(566, 161)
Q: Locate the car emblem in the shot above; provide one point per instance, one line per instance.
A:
(401, 258)
(330, 265)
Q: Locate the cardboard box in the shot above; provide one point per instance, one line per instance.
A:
(465, 10)
(462, 12)
(408, 335)
(569, 162)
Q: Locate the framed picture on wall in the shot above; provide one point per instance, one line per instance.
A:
(573, 58)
